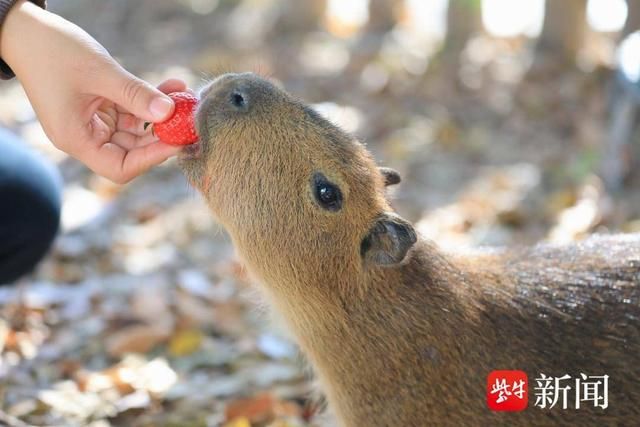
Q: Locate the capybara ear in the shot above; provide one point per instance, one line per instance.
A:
(391, 176)
(388, 241)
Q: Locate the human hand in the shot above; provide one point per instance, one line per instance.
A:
(88, 105)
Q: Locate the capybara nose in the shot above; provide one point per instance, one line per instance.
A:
(234, 88)
(217, 82)
(239, 99)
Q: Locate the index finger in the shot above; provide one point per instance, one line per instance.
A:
(121, 165)
(130, 123)
(172, 85)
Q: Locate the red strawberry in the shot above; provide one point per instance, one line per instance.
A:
(179, 129)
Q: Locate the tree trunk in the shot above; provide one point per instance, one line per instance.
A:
(564, 29)
(463, 21)
(382, 19)
(633, 18)
(300, 16)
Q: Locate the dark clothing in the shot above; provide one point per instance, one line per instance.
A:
(30, 201)
(30, 195)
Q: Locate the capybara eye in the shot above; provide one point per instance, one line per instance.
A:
(327, 194)
(239, 100)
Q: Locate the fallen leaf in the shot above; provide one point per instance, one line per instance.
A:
(193, 311)
(135, 339)
(257, 409)
(238, 422)
(185, 342)
(288, 409)
(156, 376)
(150, 304)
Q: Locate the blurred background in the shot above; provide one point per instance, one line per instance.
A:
(510, 122)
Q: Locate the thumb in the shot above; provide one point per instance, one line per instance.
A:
(136, 96)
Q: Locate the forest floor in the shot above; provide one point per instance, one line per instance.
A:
(142, 315)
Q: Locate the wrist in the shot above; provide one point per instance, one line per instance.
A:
(18, 26)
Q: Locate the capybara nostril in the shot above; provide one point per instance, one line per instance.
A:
(239, 100)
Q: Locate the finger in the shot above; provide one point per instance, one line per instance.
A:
(120, 165)
(130, 141)
(131, 124)
(104, 159)
(167, 86)
(139, 160)
(134, 95)
(172, 85)
(124, 140)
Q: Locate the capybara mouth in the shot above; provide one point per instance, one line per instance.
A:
(191, 151)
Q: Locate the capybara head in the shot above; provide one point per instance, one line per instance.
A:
(300, 197)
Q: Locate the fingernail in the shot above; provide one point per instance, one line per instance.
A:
(160, 107)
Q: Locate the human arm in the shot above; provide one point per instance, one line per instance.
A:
(88, 105)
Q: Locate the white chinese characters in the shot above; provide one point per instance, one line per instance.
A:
(505, 389)
(565, 391)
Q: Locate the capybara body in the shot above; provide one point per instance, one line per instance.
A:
(399, 332)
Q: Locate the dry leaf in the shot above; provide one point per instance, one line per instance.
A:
(238, 422)
(185, 342)
(288, 409)
(193, 311)
(150, 304)
(135, 339)
(257, 409)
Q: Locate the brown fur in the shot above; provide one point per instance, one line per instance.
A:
(411, 343)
